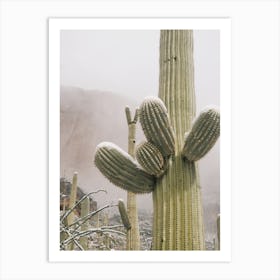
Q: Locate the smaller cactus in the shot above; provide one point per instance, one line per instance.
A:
(156, 125)
(218, 231)
(72, 202)
(85, 210)
(203, 135)
(124, 215)
(121, 169)
(150, 158)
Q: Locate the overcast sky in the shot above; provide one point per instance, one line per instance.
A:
(126, 62)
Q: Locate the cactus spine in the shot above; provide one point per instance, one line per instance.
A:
(133, 235)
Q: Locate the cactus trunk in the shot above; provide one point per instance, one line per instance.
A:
(133, 235)
(178, 217)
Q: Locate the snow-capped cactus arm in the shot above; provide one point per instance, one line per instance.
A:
(124, 215)
(156, 125)
(121, 169)
(150, 158)
(203, 134)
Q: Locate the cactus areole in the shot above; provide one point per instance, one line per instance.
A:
(175, 143)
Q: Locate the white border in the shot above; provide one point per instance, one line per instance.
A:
(55, 26)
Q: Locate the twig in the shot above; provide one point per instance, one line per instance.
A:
(77, 203)
(87, 232)
(87, 217)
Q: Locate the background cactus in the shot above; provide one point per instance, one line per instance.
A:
(84, 212)
(178, 217)
(72, 202)
(73, 197)
(133, 235)
(79, 234)
(218, 230)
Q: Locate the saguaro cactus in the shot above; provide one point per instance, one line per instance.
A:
(168, 156)
(133, 235)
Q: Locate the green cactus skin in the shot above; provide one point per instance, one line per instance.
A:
(159, 131)
(124, 215)
(150, 158)
(203, 135)
(121, 169)
(84, 212)
(133, 235)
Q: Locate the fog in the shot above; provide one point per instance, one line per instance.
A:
(126, 62)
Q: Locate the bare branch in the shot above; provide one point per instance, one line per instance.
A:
(87, 217)
(90, 231)
(77, 203)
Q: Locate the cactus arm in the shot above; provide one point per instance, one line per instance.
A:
(121, 169)
(124, 215)
(135, 119)
(156, 125)
(150, 158)
(128, 115)
(203, 135)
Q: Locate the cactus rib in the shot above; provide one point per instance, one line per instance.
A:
(203, 135)
(121, 169)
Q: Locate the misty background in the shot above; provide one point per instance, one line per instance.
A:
(101, 72)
